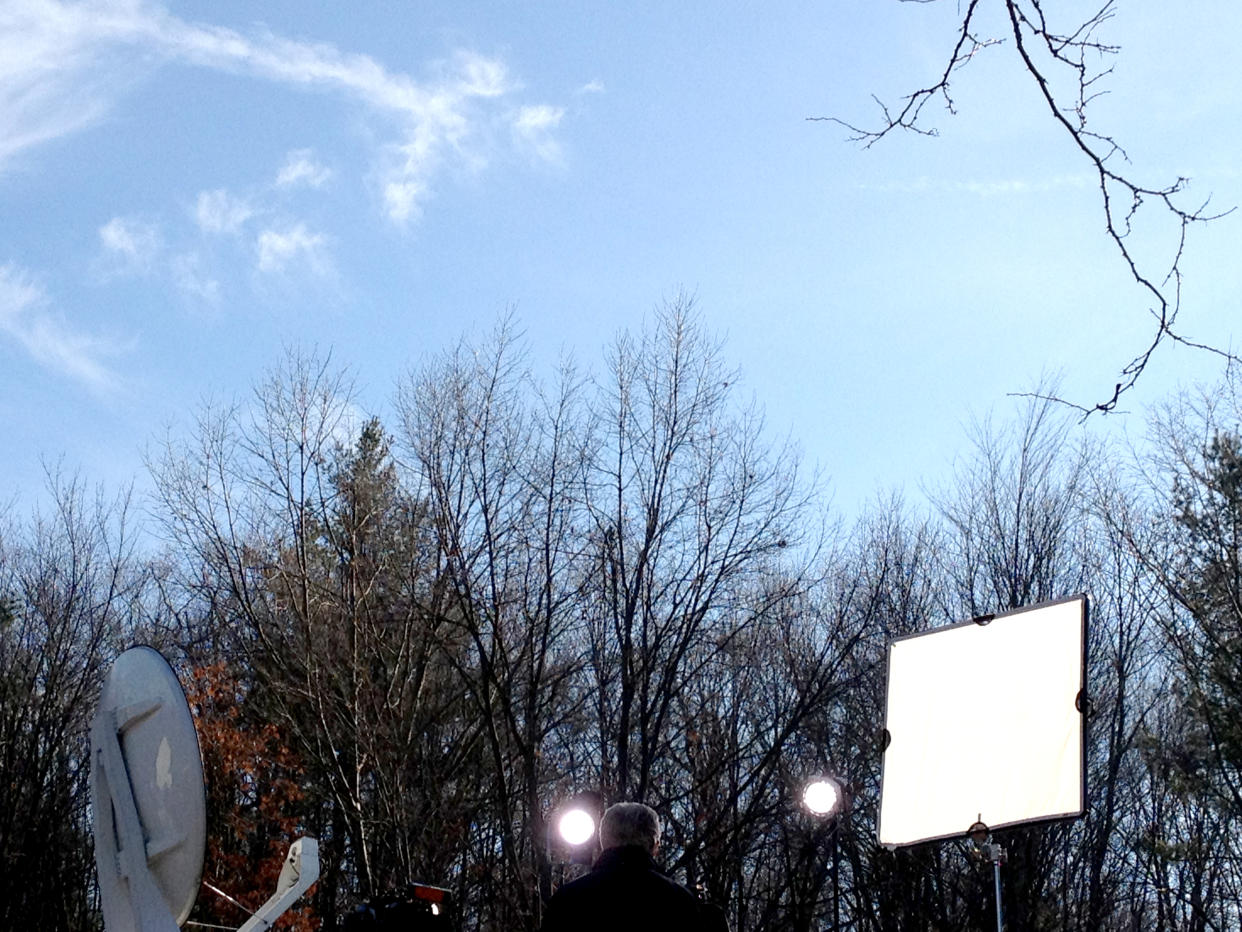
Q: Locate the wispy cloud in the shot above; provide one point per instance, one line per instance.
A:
(27, 319)
(129, 244)
(592, 87)
(997, 187)
(50, 82)
(533, 129)
(301, 168)
(190, 278)
(277, 250)
(62, 64)
(220, 212)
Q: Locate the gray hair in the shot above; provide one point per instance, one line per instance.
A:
(630, 824)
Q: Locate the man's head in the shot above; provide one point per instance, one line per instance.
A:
(630, 824)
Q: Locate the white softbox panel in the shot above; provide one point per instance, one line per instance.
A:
(983, 724)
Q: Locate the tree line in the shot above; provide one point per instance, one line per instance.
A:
(414, 639)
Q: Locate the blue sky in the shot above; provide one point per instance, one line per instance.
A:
(184, 189)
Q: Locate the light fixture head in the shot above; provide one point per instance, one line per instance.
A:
(978, 834)
(823, 797)
(576, 827)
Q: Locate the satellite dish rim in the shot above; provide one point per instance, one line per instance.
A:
(158, 746)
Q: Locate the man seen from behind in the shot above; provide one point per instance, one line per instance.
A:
(625, 890)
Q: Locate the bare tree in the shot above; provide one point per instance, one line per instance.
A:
(1186, 823)
(687, 504)
(1067, 62)
(301, 555)
(755, 718)
(1013, 514)
(1015, 539)
(892, 585)
(69, 584)
(501, 460)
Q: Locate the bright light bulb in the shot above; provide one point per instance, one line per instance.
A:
(576, 827)
(822, 797)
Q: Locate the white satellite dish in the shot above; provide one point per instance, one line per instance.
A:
(147, 795)
(985, 725)
(150, 805)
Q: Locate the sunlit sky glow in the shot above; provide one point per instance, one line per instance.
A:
(185, 189)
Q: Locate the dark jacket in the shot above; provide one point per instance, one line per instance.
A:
(624, 891)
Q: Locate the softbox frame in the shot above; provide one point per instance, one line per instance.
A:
(984, 722)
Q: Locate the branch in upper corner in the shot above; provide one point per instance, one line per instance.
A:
(965, 49)
(1049, 55)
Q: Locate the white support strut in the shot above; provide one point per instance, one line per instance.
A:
(131, 898)
(301, 869)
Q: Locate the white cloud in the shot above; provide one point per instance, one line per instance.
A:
(403, 198)
(129, 244)
(1021, 186)
(277, 250)
(301, 168)
(992, 188)
(481, 77)
(533, 127)
(592, 87)
(61, 65)
(49, 86)
(220, 212)
(49, 340)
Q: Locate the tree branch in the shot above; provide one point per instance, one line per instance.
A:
(1122, 197)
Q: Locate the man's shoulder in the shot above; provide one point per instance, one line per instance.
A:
(628, 881)
(584, 884)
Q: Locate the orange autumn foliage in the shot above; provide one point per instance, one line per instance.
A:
(253, 802)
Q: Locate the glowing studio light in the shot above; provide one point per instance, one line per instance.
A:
(822, 797)
(576, 827)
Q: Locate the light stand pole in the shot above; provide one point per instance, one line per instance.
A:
(995, 854)
(824, 798)
(836, 872)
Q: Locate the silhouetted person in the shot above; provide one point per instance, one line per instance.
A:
(625, 890)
